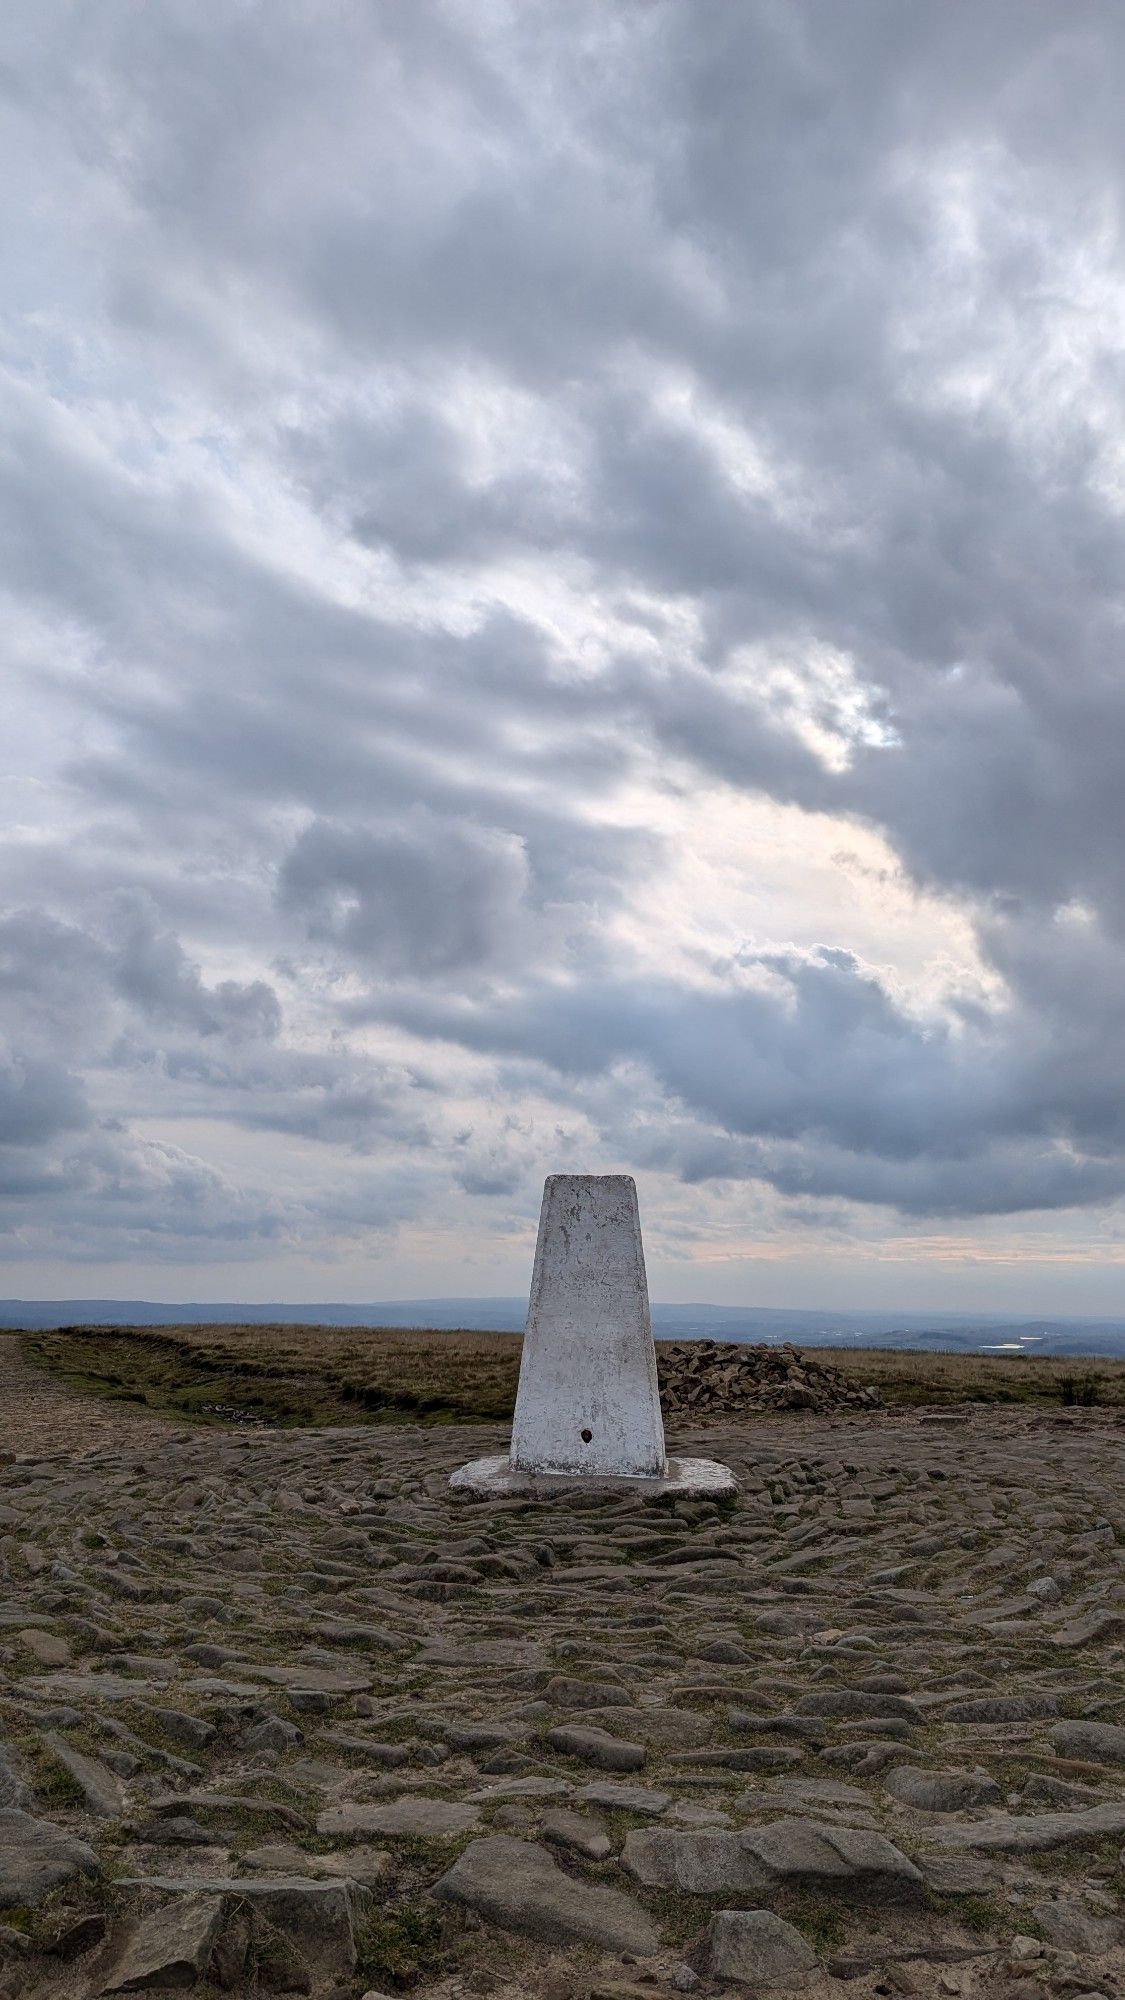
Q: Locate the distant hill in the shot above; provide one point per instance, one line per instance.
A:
(964, 1332)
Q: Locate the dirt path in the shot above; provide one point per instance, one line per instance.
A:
(40, 1416)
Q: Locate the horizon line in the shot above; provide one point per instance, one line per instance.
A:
(518, 1299)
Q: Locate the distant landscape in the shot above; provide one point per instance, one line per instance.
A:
(959, 1333)
(297, 1375)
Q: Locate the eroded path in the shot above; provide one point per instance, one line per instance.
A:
(38, 1413)
(281, 1712)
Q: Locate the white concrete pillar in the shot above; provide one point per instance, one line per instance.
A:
(588, 1400)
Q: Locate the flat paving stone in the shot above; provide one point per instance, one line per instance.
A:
(1037, 1832)
(413, 1819)
(1099, 1742)
(322, 1914)
(36, 1857)
(517, 1884)
(597, 1747)
(624, 1798)
(940, 1791)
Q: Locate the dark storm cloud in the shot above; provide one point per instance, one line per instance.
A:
(442, 424)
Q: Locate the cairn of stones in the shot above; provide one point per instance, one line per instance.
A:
(703, 1378)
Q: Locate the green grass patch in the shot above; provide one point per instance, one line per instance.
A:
(984, 1917)
(1077, 1858)
(818, 1921)
(53, 1783)
(680, 1917)
(400, 1942)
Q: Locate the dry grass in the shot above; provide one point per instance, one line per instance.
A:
(291, 1374)
(299, 1375)
(908, 1379)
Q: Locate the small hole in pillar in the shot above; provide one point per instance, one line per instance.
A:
(586, 1436)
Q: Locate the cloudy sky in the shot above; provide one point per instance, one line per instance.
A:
(563, 609)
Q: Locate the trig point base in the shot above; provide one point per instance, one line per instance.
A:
(588, 1403)
(692, 1478)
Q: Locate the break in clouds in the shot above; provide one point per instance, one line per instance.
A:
(563, 609)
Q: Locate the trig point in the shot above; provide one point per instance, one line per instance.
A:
(588, 1403)
(588, 1399)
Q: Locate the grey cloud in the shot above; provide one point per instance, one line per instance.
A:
(37, 1101)
(92, 1019)
(52, 983)
(126, 999)
(121, 1195)
(334, 1097)
(824, 1088)
(493, 1176)
(59, 980)
(449, 415)
(330, 705)
(151, 970)
(419, 897)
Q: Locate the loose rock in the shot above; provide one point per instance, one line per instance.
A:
(35, 1857)
(1097, 1742)
(169, 1948)
(597, 1747)
(756, 1948)
(516, 1884)
(698, 1377)
(940, 1791)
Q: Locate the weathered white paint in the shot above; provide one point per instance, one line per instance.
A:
(588, 1400)
(690, 1478)
(588, 1405)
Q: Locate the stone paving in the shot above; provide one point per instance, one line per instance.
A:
(281, 1713)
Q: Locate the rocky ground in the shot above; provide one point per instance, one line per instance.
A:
(281, 1713)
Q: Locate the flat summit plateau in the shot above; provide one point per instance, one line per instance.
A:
(280, 1711)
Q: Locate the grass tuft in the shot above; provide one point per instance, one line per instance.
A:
(399, 1942)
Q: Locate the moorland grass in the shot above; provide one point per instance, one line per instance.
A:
(316, 1375)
